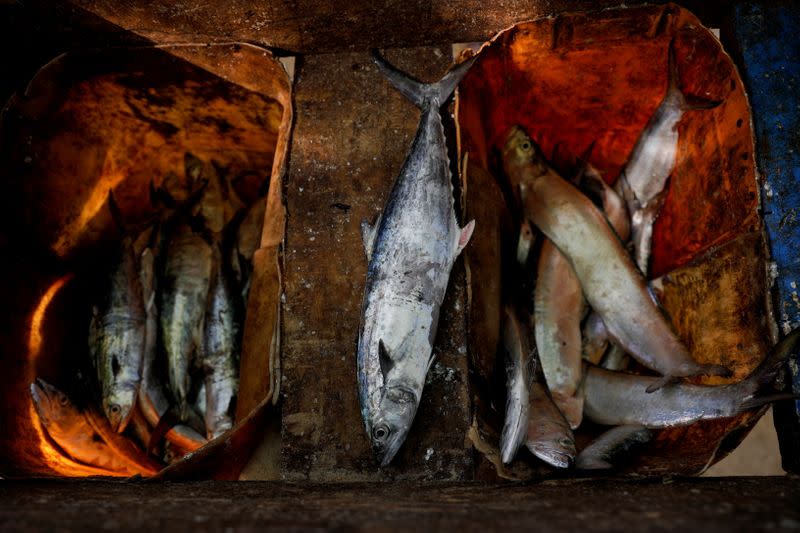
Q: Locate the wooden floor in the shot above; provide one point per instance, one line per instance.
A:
(707, 504)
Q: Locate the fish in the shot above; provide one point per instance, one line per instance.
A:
(219, 357)
(117, 333)
(601, 452)
(152, 398)
(187, 280)
(644, 177)
(71, 431)
(594, 339)
(559, 307)
(615, 398)
(549, 435)
(519, 376)
(611, 282)
(594, 335)
(615, 359)
(410, 250)
(525, 242)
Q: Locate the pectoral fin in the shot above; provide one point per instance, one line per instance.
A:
(465, 235)
(384, 360)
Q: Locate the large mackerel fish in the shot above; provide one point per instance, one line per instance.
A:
(411, 249)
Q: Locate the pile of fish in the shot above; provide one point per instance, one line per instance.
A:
(164, 338)
(593, 309)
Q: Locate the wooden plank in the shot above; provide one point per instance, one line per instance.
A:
(313, 26)
(351, 136)
(768, 48)
(709, 505)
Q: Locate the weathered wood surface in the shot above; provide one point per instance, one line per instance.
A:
(313, 26)
(710, 505)
(765, 39)
(351, 135)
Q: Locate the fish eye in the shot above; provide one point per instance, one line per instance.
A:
(62, 399)
(114, 409)
(381, 432)
(526, 146)
(566, 442)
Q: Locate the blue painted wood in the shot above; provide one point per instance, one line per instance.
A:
(768, 38)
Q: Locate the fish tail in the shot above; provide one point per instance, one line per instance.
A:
(761, 399)
(423, 93)
(765, 374)
(687, 101)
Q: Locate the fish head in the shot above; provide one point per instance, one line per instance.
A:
(557, 450)
(55, 409)
(522, 159)
(118, 407)
(392, 421)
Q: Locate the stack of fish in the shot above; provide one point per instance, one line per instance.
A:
(592, 305)
(593, 308)
(164, 341)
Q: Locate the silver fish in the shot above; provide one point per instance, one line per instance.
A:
(187, 277)
(117, 335)
(559, 307)
(411, 249)
(152, 399)
(614, 398)
(615, 359)
(219, 357)
(601, 452)
(611, 283)
(525, 242)
(594, 335)
(71, 431)
(644, 177)
(549, 436)
(519, 361)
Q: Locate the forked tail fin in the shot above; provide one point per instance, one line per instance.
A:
(423, 94)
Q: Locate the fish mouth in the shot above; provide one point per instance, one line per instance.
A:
(386, 451)
(552, 457)
(118, 417)
(40, 398)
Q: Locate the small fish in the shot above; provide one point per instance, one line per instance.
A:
(187, 278)
(615, 359)
(410, 249)
(615, 398)
(525, 242)
(611, 283)
(519, 375)
(549, 434)
(71, 431)
(601, 452)
(219, 357)
(644, 177)
(559, 307)
(152, 398)
(117, 334)
(594, 339)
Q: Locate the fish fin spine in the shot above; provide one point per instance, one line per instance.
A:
(763, 399)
